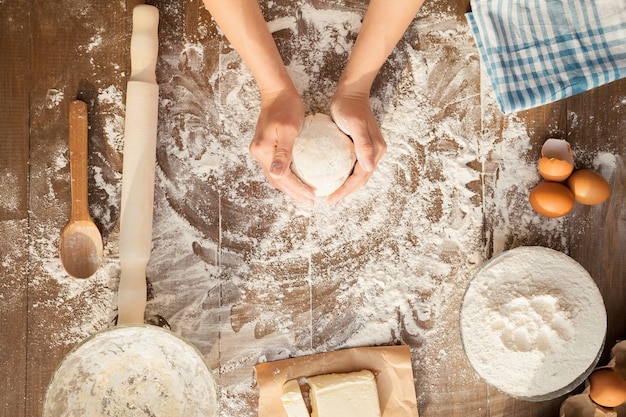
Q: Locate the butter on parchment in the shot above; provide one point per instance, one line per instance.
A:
(344, 395)
(292, 399)
(334, 395)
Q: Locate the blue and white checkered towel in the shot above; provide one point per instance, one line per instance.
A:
(540, 51)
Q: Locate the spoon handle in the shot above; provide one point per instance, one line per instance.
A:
(78, 160)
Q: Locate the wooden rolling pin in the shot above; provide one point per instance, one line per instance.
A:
(140, 132)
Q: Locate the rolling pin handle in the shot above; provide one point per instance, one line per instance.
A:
(144, 43)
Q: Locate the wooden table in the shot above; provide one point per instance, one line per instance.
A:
(54, 52)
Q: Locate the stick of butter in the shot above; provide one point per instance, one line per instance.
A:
(344, 395)
(292, 399)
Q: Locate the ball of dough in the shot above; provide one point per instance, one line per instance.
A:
(323, 156)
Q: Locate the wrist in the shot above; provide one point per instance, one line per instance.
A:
(280, 85)
(280, 92)
(355, 84)
(352, 91)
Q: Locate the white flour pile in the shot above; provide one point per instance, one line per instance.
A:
(533, 323)
(244, 273)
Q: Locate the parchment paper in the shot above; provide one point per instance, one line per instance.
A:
(390, 364)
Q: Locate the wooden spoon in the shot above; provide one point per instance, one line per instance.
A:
(81, 243)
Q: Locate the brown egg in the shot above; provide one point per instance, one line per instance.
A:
(557, 160)
(551, 199)
(608, 388)
(588, 187)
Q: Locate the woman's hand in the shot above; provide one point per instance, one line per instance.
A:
(352, 113)
(282, 110)
(280, 121)
(350, 107)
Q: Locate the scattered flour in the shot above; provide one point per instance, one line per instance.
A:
(95, 41)
(606, 163)
(53, 98)
(396, 255)
(111, 101)
(244, 273)
(10, 202)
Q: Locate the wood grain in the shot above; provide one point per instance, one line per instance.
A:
(64, 69)
(14, 227)
(55, 52)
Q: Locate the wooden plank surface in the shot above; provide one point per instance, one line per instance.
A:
(597, 123)
(245, 274)
(78, 49)
(14, 253)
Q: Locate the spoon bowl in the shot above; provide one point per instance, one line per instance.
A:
(81, 246)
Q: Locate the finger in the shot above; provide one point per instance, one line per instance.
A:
(355, 181)
(281, 158)
(367, 145)
(273, 153)
(262, 150)
(269, 155)
(294, 188)
(375, 147)
(365, 154)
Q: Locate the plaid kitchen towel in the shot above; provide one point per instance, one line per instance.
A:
(540, 51)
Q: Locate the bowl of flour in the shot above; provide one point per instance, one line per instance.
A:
(533, 323)
(132, 371)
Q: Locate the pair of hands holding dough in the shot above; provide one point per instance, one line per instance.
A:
(280, 122)
(282, 110)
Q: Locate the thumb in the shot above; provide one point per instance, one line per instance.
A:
(358, 132)
(281, 160)
(365, 155)
(364, 149)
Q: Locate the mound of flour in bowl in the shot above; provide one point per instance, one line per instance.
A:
(533, 323)
(133, 371)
